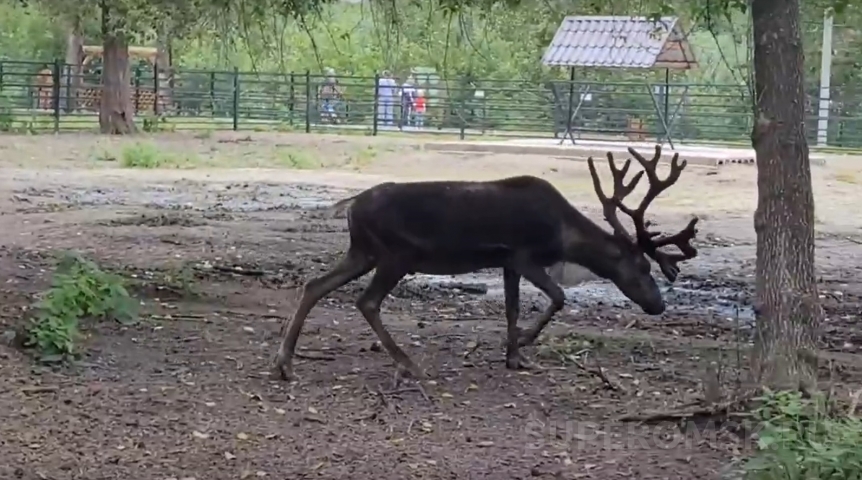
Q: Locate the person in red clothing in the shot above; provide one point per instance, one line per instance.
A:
(419, 105)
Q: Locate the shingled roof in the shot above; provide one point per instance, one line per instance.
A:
(620, 42)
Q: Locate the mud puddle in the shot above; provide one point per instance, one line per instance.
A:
(203, 197)
(729, 300)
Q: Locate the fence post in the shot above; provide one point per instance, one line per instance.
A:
(212, 94)
(55, 87)
(376, 103)
(463, 108)
(1, 75)
(137, 89)
(156, 89)
(235, 99)
(290, 104)
(67, 74)
(308, 101)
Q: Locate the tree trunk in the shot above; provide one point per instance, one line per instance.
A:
(116, 112)
(164, 67)
(71, 78)
(788, 308)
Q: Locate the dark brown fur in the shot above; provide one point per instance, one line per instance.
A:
(520, 224)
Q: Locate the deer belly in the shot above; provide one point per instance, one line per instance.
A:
(456, 263)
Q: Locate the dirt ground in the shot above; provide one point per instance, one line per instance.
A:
(185, 394)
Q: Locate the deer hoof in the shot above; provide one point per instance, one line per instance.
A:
(282, 372)
(519, 362)
(412, 371)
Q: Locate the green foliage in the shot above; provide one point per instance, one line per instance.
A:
(487, 42)
(297, 159)
(28, 33)
(801, 440)
(142, 155)
(7, 117)
(80, 291)
(156, 123)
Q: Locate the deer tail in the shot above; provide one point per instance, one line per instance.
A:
(341, 206)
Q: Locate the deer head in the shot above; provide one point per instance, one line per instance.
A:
(629, 268)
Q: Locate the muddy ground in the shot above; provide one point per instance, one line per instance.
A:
(184, 393)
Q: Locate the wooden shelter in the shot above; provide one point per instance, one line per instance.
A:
(88, 97)
(621, 42)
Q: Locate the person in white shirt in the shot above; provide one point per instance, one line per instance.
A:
(408, 94)
(386, 92)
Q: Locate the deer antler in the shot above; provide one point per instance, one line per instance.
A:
(621, 191)
(645, 239)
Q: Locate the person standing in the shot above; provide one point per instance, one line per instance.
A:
(386, 91)
(419, 105)
(408, 95)
(329, 94)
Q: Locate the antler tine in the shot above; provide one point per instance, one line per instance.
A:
(621, 190)
(668, 262)
(657, 185)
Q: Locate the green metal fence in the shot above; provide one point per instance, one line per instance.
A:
(63, 100)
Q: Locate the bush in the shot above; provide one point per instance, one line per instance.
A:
(801, 439)
(80, 291)
(142, 155)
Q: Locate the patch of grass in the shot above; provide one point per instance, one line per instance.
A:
(156, 123)
(7, 118)
(181, 280)
(142, 155)
(147, 155)
(204, 135)
(80, 291)
(803, 438)
(104, 156)
(569, 348)
(846, 177)
(297, 159)
(286, 127)
(363, 157)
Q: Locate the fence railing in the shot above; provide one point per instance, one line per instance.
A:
(37, 96)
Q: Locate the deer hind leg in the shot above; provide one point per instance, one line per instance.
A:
(351, 267)
(540, 278)
(385, 279)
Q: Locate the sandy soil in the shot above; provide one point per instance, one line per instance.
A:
(184, 393)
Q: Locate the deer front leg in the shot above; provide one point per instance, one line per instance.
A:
(511, 289)
(540, 278)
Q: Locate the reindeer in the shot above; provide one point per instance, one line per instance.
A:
(520, 224)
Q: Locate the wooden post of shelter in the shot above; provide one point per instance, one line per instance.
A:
(621, 42)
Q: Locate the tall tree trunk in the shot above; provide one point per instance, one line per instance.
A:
(788, 308)
(164, 67)
(116, 112)
(71, 78)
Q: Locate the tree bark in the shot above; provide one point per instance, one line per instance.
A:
(788, 308)
(116, 112)
(71, 78)
(164, 67)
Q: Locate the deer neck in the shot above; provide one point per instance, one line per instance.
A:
(589, 245)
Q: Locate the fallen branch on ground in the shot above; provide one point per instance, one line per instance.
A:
(306, 356)
(416, 388)
(37, 389)
(599, 372)
(239, 271)
(730, 409)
